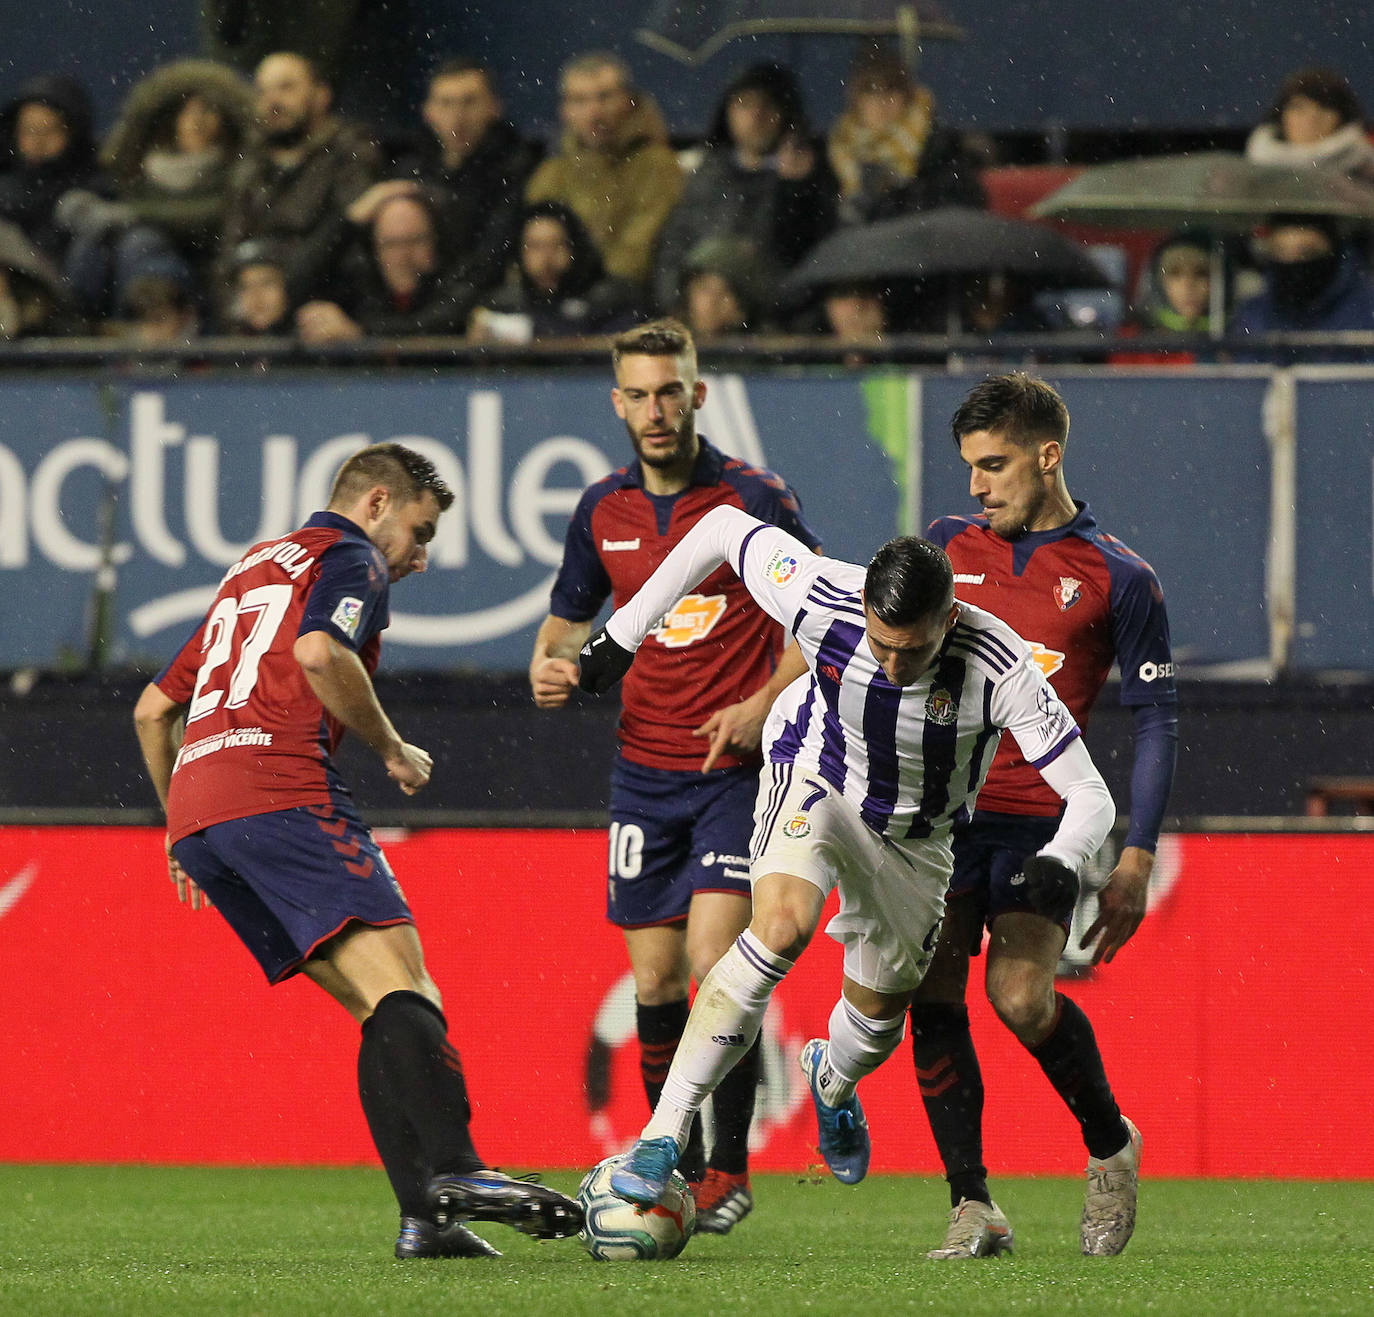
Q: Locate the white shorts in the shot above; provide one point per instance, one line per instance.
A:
(892, 894)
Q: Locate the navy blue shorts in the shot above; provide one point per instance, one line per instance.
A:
(289, 880)
(674, 834)
(988, 853)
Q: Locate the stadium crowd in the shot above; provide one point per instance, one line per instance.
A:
(222, 205)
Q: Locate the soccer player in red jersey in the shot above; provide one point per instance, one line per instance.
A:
(260, 824)
(678, 864)
(1037, 559)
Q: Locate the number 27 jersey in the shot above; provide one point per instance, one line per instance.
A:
(258, 738)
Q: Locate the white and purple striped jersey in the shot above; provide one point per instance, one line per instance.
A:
(909, 759)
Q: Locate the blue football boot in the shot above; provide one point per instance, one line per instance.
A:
(844, 1140)
(643, 1177)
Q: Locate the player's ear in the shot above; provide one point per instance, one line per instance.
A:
(1051, 455)
(698, 394)
(618, 402)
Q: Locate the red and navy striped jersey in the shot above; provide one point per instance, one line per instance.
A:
(257, 737)
(1082, 600)
(715, 646)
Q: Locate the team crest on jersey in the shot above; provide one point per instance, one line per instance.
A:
(1049, 661)
(797, 826)
(347, 614)
(692, 618)
(781, 567)
(1067, 593)
(941, 707)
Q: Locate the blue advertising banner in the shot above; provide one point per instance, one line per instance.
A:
(186, 475)
(1333, 594)
(1177, 466)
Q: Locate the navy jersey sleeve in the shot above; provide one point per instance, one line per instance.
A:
(770, 498)
(943, 530)
(582, 585)
(1140, 633)
(349, 596)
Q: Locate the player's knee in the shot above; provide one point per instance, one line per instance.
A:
(1024, 1005)
(781, 931)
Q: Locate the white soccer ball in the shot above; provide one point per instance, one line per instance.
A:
(617, 1231)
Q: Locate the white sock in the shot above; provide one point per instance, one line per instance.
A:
(858, 1046)
(725, 1020)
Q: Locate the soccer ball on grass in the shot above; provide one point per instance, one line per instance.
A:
(617, 1231)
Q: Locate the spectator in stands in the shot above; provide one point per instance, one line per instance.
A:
(1176, 288)
(615, 168)
(158, 310)
(855, 313)
(889, 151)
(169, 160)
(723, 291)
(762, 178)
(557, 287)
(1315, 120)
(305, 170)
(396, 282)
(46, 149)
(259, 304)
(476, 165)
(1313, 283)
(33, 299)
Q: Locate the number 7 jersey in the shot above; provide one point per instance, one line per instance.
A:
(257, 737)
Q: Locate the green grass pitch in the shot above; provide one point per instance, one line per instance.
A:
(224, 1243)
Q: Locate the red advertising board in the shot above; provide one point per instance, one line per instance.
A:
(1234, 1025)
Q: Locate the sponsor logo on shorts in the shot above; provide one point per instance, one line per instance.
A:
(619, 546)
(797, 826)
(1067, 593)
(1155, 671)
(781, 567)
(711, 858)
(941, 707)
(692, 618)
(348, 613)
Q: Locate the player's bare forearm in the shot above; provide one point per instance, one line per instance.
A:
(738, 728)
(1120, 904)
(157, 721)
(553, 666)
(341, 683)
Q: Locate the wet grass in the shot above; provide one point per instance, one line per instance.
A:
(151, 1241)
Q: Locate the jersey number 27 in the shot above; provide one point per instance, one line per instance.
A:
(244, 627)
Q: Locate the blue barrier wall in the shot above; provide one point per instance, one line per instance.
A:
(194, 470)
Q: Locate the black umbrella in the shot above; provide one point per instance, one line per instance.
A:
(694, 31)
(950, 240)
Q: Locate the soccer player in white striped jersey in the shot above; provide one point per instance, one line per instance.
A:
(873, 753)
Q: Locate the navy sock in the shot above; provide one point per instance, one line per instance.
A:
(660, 1031)
(1072, 1063)
(951, 1084)
(733, 1106)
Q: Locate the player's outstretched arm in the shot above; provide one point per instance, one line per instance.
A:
(553, 667)
(157, 720)
(1089, 811)
(340, 682)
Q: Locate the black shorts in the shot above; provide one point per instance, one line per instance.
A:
(989, 851)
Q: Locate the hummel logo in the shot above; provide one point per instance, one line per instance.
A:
(728, 1039)
(619, 546)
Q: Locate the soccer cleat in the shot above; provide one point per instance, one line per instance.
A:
(642, 1178)
(1109, 1208)
(976, 1230)
(423, 1239)
(723, 1201)
(844, 1141)
(487, 1195)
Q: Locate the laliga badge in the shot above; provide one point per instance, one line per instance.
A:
(797, 826)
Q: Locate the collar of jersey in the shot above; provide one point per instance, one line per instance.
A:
(708, 469)
(336, 521)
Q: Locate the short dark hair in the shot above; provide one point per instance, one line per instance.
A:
(1024, 409)
(909, 579)
(667, 337)
(456, 66)
(1327, 87)
(401, 470)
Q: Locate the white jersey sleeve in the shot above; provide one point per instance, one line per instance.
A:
(771, 563)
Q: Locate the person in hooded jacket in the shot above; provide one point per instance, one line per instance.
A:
(1316, 119)
(557, 287)
(47, 148)
(763, 178)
